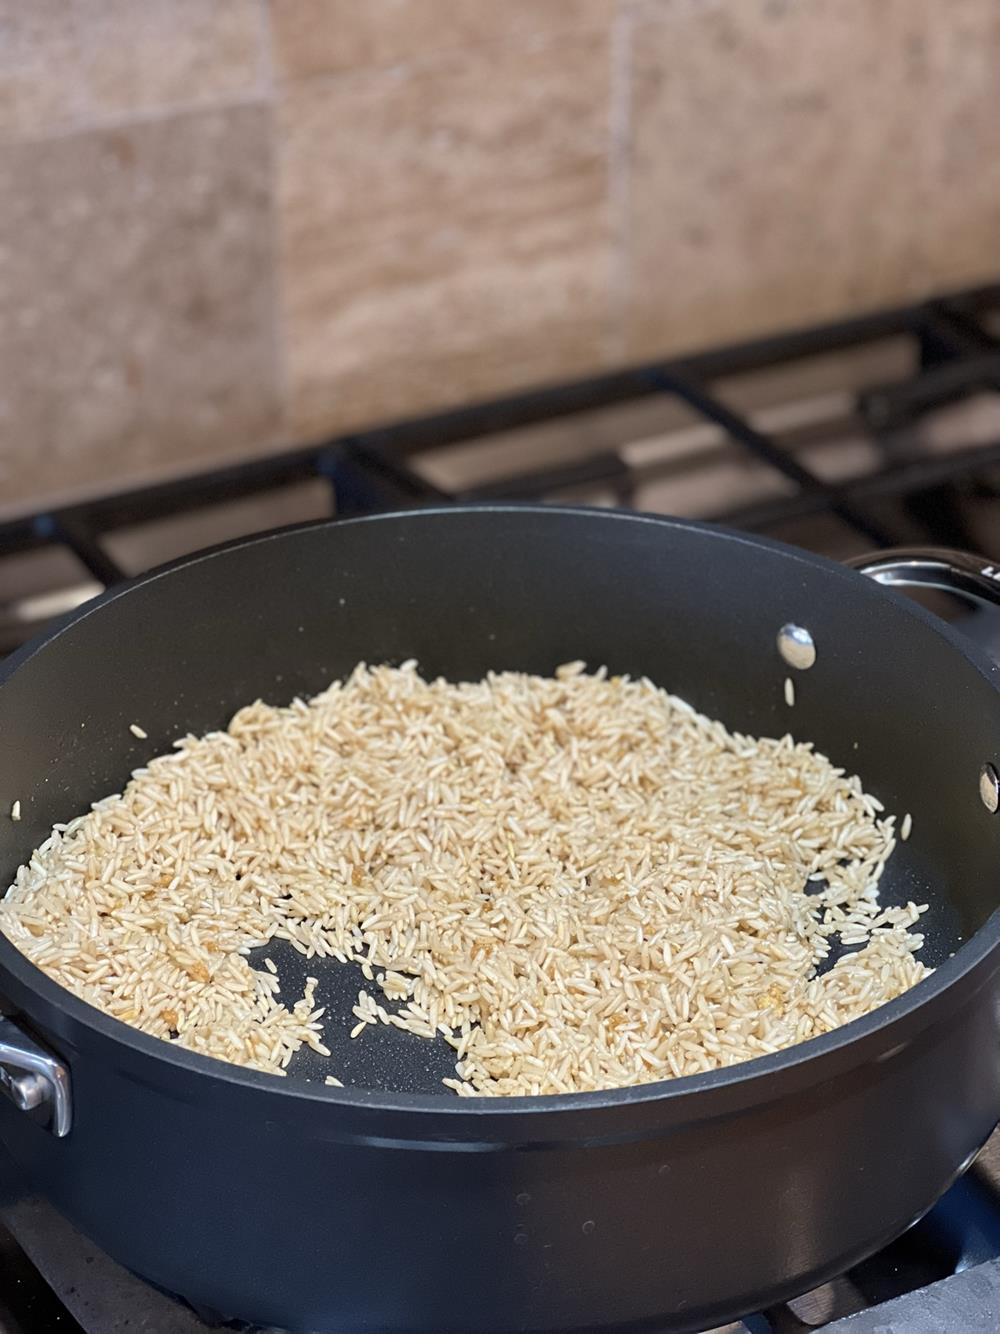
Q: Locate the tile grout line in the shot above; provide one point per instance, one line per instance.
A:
(279, 329)
(265, 65)
(135, 118)
(436, 57)
(620, 126)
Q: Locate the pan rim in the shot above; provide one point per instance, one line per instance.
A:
(885, 1020)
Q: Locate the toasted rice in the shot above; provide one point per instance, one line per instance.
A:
(580, 882)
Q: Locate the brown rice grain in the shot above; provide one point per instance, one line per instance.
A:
(546, 871)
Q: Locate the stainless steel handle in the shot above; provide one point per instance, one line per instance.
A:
(33, 1079)
(956, 572)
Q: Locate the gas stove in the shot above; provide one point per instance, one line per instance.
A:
(877, 431)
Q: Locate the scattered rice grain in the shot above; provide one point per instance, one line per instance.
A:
(578, 880)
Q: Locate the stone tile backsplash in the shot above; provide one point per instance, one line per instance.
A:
(444, 228)
(136, 302)
(804, 159)
(79, 62)
(228, 227)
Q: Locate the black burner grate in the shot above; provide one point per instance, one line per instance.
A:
(956, 356)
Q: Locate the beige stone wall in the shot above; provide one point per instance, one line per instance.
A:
(229, 224)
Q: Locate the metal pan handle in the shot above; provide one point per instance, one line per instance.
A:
(956, 572)
(33, 1079)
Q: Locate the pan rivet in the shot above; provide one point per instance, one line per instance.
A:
(989, 788)
(795, 644)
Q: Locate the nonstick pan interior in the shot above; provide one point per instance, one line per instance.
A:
(465, 591)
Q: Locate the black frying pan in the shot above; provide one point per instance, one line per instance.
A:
(392, 1205)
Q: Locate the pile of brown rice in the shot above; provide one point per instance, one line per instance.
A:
(580, 882)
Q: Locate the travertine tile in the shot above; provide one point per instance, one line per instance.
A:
(955, 58)
(444, 230)
(794, 161)
(322, 36)
(68, 62)
(40, 82)
(169, 52)
(136, 308)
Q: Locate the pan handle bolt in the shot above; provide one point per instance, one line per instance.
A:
(989, 788)
(795, 644)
